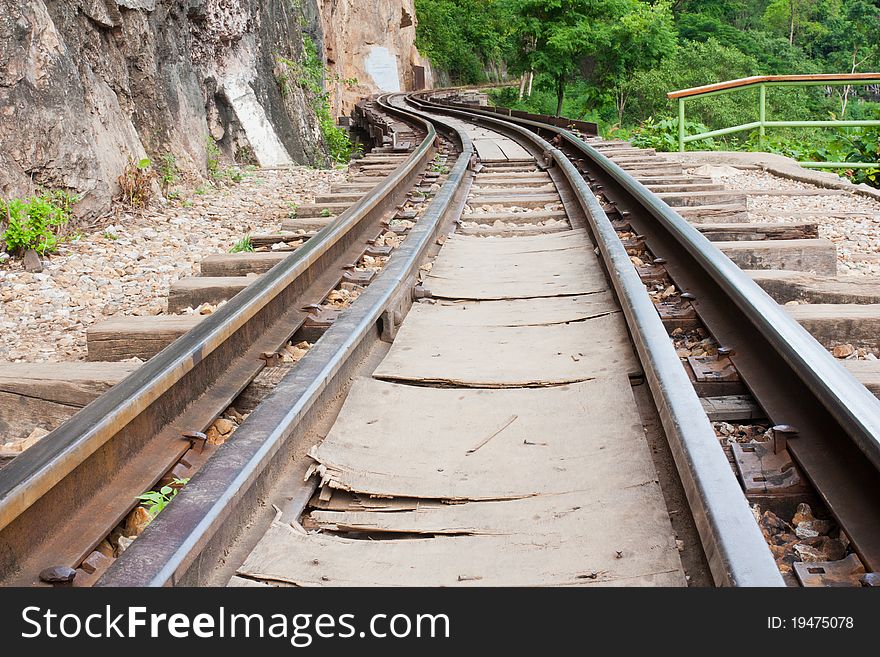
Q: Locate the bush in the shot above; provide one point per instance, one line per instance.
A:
(136, 183)
(663, 135)
(168, 171)
(694, 64)
(308, 74)
(36, 223)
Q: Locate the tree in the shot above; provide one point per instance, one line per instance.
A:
(801, 18)
(603, 40)
(853, 42)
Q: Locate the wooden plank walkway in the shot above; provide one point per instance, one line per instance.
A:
(518, 458)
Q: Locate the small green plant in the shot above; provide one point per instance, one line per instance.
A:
(35, 223)
(663, 135)
(212, 157)
(294, 208)
(243, 245)
(326, 212)
(309, 74)
(168, 171)
(110, 236)
(200, 190)
(438, 166)
(156, 501)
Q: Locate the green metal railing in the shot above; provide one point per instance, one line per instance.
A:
(762, 83)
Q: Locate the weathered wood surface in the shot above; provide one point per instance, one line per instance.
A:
(505, 353)
(312, 224)
(732, 212)
(838, 324)
(523, 267)
(785, 286)
(314, 210)
(754, 231)
(124, 338)
(525, 201)
(691, 199)
(45, 395)
(866, 371)
(810, 255)
(566, 502)
(731, 408)
(240, 264)
(522, 414)
(514, 217)
(197, 290)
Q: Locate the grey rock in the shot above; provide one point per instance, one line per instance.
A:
(58, 575)
(85, 87)
(32, 262)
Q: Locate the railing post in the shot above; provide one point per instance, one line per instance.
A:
(681, 125)
(762, 114)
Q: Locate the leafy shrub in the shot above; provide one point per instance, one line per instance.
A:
(662, 135)
(860, 145)
(36, 223)
(136, 183)
(854, 145)
(212, 160)
(168, 171)
(308, 74)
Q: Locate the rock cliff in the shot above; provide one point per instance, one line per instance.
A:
(88, 85)
(373, 43)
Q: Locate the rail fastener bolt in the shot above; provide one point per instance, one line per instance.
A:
(725, 352)
(196, 438)
(781, 435)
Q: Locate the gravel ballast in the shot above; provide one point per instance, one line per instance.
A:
(126, 268)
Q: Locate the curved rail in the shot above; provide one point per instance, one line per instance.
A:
(734, 547)
(215, 504)
(191, 531)
(794, 378)
(204, 370)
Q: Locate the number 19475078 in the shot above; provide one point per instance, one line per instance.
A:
(811, 622)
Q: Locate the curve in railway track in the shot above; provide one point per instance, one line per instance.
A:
(476, 280)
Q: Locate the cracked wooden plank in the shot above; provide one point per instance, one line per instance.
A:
(516, 268)
(428, 351)
(395, 440)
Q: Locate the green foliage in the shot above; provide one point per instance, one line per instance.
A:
(136, 184)
(309, 74)
(602, 41)
(36, 222)
(243, 245)
(438, 166)
(614, 61)
(167, 169)
(212, 156)
(663, 135)
(156, 501)
(464, 38)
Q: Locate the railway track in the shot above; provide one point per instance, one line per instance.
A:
(465, 290)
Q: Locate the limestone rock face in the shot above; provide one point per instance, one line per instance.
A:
(88, 85)
(373, 43)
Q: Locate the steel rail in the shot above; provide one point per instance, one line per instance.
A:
(734, 546)
(792, 376)
(852, 404)
(70, 465)
(181, 545)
